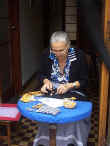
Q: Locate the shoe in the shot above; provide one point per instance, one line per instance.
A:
(70, 144)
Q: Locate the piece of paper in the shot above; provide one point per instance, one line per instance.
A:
(9, 112)
(53, 102)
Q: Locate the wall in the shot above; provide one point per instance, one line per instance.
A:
(31, 26)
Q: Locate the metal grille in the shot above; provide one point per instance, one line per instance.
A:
(71, 18)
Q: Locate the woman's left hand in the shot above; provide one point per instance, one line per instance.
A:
(63, 88)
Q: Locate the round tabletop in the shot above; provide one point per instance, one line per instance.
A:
(82, 110)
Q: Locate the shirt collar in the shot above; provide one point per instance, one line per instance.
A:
(52, 56)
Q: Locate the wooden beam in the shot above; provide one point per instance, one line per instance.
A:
(104, 85)
(14, 36)
(103, 105)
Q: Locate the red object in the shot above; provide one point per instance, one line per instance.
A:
(16, 118)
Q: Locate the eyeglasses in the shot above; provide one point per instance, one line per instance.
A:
(59, 50)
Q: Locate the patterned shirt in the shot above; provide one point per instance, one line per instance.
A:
(56, 75)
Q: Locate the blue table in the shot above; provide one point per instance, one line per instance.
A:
(81, 111)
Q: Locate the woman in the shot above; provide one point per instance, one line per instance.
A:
(64, 68)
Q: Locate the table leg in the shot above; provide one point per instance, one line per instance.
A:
(9, 134)
(52, 137)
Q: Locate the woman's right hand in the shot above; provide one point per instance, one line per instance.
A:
(46, 86)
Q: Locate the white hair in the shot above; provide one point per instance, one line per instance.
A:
(60, 36)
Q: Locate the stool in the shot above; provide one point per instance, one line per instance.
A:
(7, 120)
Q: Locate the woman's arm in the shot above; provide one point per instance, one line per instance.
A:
(79, 70)
(83, 75)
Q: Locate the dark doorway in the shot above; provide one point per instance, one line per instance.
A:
(10, 78)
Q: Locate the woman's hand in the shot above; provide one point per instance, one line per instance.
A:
(47, 85)
(63, 88)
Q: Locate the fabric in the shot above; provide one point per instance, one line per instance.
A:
(78, 69)
(74, 133)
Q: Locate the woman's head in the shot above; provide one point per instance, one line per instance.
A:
(60, 43)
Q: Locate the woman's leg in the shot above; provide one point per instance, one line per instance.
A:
(42, 136)
(73, 133)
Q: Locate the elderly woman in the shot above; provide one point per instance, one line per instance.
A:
(65, 68)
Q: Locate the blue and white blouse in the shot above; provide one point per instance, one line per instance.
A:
(56, 75)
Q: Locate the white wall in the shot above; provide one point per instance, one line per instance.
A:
(31, 33)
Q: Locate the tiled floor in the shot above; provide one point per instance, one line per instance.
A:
(24, 134)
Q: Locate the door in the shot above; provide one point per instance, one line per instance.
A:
(53, 11)
(10, 67)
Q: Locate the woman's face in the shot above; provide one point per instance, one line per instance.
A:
(60, 49)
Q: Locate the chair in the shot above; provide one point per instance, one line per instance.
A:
(6, 119)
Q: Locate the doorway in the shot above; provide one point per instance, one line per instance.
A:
(10, 78)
